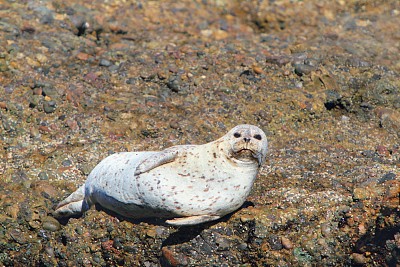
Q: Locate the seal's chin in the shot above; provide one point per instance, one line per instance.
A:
(246, 155)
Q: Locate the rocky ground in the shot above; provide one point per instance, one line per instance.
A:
(80, 80)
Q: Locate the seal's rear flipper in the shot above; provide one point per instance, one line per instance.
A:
(73, 205)
(192, 220)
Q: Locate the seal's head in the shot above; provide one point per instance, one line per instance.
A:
(247, 143)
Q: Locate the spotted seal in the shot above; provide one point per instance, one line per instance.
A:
(185, 184)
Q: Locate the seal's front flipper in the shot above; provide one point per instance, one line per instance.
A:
(192, 220)
(158, 159)
(73, 205)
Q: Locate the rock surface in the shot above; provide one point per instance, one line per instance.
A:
(80, 80)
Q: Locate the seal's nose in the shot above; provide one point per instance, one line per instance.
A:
(246, 139)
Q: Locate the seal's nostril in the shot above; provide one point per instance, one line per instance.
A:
(246, 139)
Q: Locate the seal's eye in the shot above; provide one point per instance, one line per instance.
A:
(237, 135)
(258, 137)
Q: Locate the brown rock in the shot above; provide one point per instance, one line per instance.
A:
(82, 56)
(359, 258)
(41, 187)
(286, 242)
(168, 255)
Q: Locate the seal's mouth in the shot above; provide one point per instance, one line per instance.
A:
(246, 155)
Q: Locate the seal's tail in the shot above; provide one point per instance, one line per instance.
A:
(73, 205)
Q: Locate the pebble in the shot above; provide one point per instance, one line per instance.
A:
(43, 176)
(105, 63)
(242, 246)
(34, 101)
(303, 69)
(66, 163)
(360, 193)
(174, 83)
(286, 243)
(49, 91)
(359, 258)
(49, 106)
(222, 243)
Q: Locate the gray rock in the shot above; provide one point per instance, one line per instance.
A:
(49, 106)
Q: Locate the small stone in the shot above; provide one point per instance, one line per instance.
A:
(34, 132)
(43, 176)
(51, 224)
(105, 63)
(360, 194)
(278, 60)
(82, 56)
(286, 243)
(34, 101)
(49, 91)
(258, 70)
(66, 163)
(326, 230)
(222, 242)
(151, 233)
(85, 169)
(174, 83)
(242, 246)
(302, 69)
(359, 258)
(79, 230)
(174, 124)
(37, 91)
(49, 106)
(41, 58)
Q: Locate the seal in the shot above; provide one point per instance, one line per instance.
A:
(185, 184)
